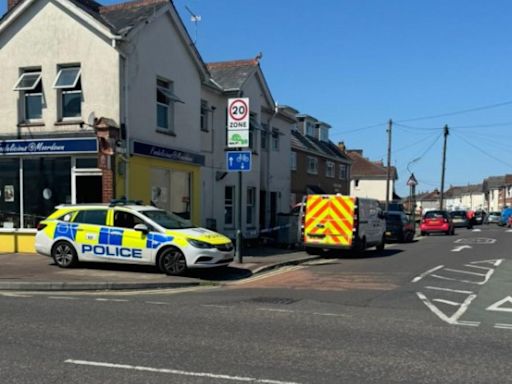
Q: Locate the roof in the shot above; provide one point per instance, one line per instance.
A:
(322, 148)
(456, 191)
(493, 182)
(231, 75)
(363, 168)
(428, 196)
(119, 18)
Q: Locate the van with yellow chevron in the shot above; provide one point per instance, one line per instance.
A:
(339, 222)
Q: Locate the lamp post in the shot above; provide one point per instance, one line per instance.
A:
(412, 182)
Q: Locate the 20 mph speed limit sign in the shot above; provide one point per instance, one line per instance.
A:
(238, 122)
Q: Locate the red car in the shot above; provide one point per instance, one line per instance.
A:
(437, 222)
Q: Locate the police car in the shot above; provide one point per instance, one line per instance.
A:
(128, 232)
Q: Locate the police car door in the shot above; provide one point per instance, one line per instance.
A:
(88, 224)
(132, 244)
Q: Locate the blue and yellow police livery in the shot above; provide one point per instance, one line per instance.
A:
(130, 233)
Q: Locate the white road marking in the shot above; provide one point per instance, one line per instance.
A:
(62, 298)
(496, 305)
(487, 275)
(446, 301)
(114, 300)
(275, 310)
(495, 262)
(453, 319)
(469, 323)
(157, 302)
(176, 372)
(15, 295)
(503, 326)
(508, 230)
(465, 272)
(329, 314)
(419, 277)
(477, 230)
(461, 247)
(450, 290)
(214, 306)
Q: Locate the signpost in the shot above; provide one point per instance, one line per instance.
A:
(412, 182)
(238, 161)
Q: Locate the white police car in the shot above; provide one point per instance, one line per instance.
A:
(129, 233)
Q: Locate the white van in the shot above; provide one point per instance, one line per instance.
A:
(342, 222)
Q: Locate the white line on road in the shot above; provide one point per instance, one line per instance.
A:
(461, 247)
(466, 272)
(450, 290)
(419, 277)
(62, 298)
(503, 326)
(275, 310)
(114, 300)
(15, 295)
(157, 302)
(329, 314)
(214, 306)
(508, 230)
(446, 301)
(477, 230)
(453, 319)
(176, 372)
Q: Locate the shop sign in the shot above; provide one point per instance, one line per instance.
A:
(48, 146)
(145, 149)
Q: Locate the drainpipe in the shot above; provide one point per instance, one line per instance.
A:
(269, 150)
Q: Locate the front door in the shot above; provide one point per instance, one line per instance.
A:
(88, 189)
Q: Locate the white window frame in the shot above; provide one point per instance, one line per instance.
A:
(312, 165)
(17, 86)
(28, 91)
(329, 169)
(310, 129)
(66, 90)
(343, 172)
(75, 82)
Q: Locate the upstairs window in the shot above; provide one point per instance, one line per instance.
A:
(204, 115)
(275, 140)
(343, 172)
(312, 165)
(30, 84)
(310, 129)
(329, 169)
(165, 99)
(293, 161)
(69, 87)
(264, 135)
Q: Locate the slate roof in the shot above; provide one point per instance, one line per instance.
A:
(493, 182)
(232, 74)
(322, 148)
(363, 168)
(428, 196)
(119, 18)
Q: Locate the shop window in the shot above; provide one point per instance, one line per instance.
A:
(229, 204)
(30, 86)
(46, 184)
(165, 100)
(91, 216)
(9, 193)
(251, 205)
(69, 88)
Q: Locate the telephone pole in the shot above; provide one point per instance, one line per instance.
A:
(441, 196)
(388, 175)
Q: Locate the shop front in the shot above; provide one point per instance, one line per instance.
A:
(167, 178)
(38, 174)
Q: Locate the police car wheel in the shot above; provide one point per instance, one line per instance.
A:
(172, 262)
(64, 254)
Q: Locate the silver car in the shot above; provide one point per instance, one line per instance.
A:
(493, 217)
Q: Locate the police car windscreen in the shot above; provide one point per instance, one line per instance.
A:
(167, 220)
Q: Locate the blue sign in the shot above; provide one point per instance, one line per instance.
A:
(238, 161)
(48, 146)
(144, 149)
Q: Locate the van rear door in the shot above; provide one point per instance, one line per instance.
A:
(329, 221)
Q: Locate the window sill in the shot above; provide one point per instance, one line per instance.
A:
(28, 124)
(68, 122)
(205, 130)
(164, 132)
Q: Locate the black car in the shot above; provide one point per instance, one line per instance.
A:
(398, 227)
(460, 219)
(479, 217)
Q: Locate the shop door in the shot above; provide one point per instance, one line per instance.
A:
(88, 189)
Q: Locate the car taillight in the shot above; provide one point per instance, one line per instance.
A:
(41, 226)
(445, 220)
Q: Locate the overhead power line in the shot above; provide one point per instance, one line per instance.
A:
(482, 151)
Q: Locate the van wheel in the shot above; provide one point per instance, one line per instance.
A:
(172, 262)
(312, 250)
(380, 246)
(64, 254)
(360, 245)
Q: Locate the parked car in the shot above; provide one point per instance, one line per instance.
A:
(493, 217)
(437, 222)
(398, 227)
(505, 215)
(480, 217)
(460, 219)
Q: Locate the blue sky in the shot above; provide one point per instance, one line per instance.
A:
(355, 64)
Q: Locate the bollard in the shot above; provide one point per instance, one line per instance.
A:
(238, 249)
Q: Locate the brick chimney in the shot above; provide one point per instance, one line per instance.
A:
(12, 3)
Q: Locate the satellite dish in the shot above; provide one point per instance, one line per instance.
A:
(91, 120)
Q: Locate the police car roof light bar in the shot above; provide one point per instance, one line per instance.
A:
(116, 202)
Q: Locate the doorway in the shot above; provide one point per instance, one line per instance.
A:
(88, 189)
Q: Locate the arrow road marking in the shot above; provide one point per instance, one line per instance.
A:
(460, 248)
(496, 305)
(453, 319)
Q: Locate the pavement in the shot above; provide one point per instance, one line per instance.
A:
(33, 272)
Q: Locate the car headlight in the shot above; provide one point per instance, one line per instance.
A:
(199, 244)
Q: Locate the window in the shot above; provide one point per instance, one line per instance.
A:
(275, 140)
(324, 134)
(9, 193)
(165, 100)
(204, 115)
(251, 205)
(69, 86)
(126, 220)
(293, 161)
(343, 172)
(312, 165)
(264, 135)
(310, 129)
(91, 216)
(329, 169)
(31, 85)
(229, 200)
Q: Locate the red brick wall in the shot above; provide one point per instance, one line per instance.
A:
(107, 185)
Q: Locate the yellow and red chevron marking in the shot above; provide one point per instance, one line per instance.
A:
(329, 220)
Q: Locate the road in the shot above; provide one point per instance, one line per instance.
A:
(438, 310)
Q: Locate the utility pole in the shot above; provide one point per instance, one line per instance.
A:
(441, 196)
(388, 176)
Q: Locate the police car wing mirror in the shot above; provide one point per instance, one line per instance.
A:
(142, 228)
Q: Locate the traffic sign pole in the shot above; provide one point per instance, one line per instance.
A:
(238, 251)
